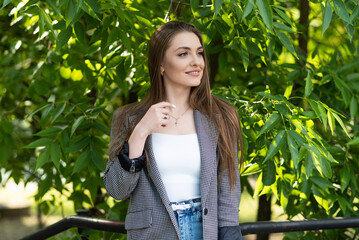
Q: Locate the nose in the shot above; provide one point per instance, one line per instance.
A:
(197, 60)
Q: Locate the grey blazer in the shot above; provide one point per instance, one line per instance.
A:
(150, 215)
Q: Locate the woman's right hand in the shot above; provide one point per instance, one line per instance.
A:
(154, 119)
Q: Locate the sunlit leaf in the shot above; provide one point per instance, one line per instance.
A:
(276, 144)
(272, 121)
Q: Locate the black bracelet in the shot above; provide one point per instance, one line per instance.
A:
(131, 165)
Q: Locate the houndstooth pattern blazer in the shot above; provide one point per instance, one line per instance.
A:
(150, 215)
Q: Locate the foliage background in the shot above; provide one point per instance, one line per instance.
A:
(289, 67)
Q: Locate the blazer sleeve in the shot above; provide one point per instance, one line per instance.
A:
(119, 183)
(228, 201)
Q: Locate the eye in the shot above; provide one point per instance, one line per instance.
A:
(183, 54)
(201, 53)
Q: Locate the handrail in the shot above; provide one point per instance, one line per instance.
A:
(246, 228)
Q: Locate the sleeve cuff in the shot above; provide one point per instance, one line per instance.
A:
(131, 165)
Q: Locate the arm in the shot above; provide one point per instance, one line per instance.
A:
(119, 183)
(119, 180)
(228, 205)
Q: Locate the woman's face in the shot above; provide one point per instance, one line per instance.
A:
(183, 63)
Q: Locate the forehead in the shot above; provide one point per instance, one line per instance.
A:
(185, 39)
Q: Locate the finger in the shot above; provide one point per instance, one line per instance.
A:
(165, 105)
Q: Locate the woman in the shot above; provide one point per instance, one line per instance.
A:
(174, 154)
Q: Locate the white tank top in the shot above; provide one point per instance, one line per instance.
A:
(179, 162)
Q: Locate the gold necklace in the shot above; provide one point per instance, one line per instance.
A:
(177, 118)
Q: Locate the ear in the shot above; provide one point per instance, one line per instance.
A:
(162, 69)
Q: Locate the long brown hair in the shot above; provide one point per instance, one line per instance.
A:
(221, 113)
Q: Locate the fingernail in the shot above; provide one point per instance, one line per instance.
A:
(173, 105)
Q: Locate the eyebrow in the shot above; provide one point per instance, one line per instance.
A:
(188, 48)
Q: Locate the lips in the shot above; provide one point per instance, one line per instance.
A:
(193, 73)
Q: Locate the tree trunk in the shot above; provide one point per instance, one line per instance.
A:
(264, 213)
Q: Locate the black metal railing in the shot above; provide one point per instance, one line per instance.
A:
(247, 228)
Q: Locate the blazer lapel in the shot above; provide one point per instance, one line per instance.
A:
(155, 176)
(207, 138)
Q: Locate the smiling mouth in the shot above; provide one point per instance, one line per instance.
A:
(193, 72)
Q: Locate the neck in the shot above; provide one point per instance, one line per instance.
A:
(180, 98)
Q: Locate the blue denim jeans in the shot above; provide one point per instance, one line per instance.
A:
(190, 220)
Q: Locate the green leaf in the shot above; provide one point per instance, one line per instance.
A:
(283, 15)
(76, 124)
(144, 21)
(276, 144)
(71, 12)
(323, 115)
(272, 121)
(345, 177)
(293, 148)
(308, 163)
(244, 54)
(97, 159)
(308, 85)
(350, 30)
(283, 27)
(43, 158)
(341, 11)
(353, 107)
(80, 32)
(342, 203)
(354, 14)
(80, 144)
(49, 131)
(58, 110)
(331, 121)
(320, 163)
(53, 6)
(320, 197)
(283, 196)
(82, 161)
(247, 9)
(321, 182)
(266, 12)
(286, 41)
(56, 154)
(327, 16)
(340, 121)
(259, 185)
(354, 141)
(194, 5)
(6, 2)
(87, 8)
(269, 173)
(315, 107)
(39, 143)
(37, 110)
(217, 6)
(63, 37)
(125, 40)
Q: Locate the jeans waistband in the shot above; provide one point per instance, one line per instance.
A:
(188, 204)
